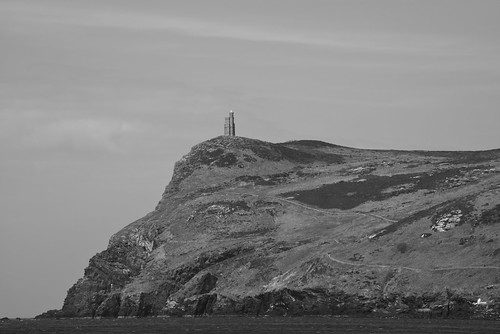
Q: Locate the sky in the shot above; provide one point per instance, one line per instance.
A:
(99, 98)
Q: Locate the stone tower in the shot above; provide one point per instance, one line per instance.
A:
(229, 129)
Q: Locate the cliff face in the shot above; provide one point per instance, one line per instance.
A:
(249, 227)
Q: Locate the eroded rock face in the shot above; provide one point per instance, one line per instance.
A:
(447, 221)
(306, 227)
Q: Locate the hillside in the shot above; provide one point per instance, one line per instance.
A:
(307, 227)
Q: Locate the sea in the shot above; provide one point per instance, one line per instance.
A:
(235, 324)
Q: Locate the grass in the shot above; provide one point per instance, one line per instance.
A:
(347, 195)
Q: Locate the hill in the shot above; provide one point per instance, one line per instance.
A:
(307, 227)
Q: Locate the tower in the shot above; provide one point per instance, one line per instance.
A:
(229, 129)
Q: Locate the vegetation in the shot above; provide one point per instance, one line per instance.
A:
(306, 228)
(402, 247)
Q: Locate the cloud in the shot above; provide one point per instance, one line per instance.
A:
(374, 49)
(378, 42)
(364, 41)
(80, 135)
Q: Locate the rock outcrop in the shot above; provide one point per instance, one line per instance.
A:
(306, 227)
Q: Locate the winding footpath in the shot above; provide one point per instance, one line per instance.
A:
(334, 213)
(385, 266)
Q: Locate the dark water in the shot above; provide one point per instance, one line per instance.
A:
(250, 325)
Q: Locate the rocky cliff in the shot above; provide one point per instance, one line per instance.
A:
(306, 227)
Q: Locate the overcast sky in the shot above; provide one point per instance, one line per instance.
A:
(99, 98)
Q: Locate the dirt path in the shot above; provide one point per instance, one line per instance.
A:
(408, 268)
(376, 216)
(399, 268)
(320, 210)
(307, 207)
(334, 213)
(372, 265)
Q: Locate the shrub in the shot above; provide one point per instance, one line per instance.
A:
(402, 247)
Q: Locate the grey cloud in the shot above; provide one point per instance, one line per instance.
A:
(360, 41)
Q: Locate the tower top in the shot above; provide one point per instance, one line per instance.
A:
(229, 128)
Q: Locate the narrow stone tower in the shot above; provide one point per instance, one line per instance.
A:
(229, 129)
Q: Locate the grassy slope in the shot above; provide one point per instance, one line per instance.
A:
(402, 195)
(260, 217)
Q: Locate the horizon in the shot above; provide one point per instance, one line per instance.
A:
(99, 99)
(361, 148)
